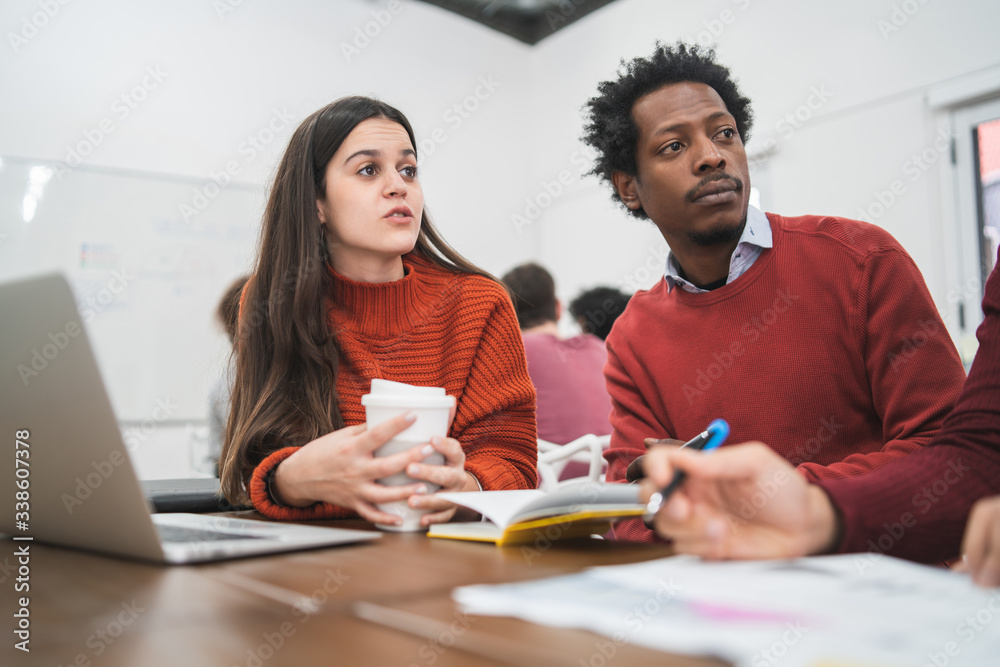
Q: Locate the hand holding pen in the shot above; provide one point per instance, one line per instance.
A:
(789, 517)
(706, 441)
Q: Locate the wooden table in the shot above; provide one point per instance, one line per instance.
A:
(385, 602)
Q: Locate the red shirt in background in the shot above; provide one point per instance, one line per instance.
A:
(572, 395)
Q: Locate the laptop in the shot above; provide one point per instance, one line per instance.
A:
(61, 444)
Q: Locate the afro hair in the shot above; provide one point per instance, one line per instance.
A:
(611, 129)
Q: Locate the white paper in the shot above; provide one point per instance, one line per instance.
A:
(497, 506)
(855, 609)
(506, 507)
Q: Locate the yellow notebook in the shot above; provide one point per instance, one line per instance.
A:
(524, 517)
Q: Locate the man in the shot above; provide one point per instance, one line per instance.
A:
(747, 502)
(814, 334)
(567, 373)
(596, 309)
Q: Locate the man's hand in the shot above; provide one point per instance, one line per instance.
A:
(743, 501)
(981, 544)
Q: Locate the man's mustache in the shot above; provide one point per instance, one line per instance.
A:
(694, 192)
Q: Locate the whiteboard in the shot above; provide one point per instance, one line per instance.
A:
(148, 261)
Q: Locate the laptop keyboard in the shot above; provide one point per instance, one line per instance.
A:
(183, 534)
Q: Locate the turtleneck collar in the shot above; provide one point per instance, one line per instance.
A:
(388, 310)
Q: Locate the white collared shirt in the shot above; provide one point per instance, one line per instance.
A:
(756, 236)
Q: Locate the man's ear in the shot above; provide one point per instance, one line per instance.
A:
(625, 186)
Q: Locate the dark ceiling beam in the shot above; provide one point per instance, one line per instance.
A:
(529, 21)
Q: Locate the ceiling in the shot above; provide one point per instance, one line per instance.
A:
(530, 21)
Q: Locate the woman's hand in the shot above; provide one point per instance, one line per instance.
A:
(339, 468)
(451, 477)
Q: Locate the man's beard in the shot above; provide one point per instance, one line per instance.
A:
(718, 235)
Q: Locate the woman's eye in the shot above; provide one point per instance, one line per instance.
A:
(409, 172)
(368, 170)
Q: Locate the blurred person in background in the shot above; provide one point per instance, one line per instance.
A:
(596, 310)
(568, 373)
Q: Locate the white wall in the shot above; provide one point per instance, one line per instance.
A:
(786, 55)
(224, 74)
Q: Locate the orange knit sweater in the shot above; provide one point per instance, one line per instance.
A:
(439, 329)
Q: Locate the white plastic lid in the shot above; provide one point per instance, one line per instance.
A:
(380, 387)
(386, 394)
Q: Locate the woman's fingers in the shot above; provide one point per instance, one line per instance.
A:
(373, 438)
(447, 477)
(372, 514)
(450, 476)
(438, 517)
(378, 494)
(384, 466)
(451, 448)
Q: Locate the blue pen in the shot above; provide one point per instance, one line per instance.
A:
(706, 441)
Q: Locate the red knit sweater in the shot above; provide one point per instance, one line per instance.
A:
(440, 329)
(829, 349)
(917, 507)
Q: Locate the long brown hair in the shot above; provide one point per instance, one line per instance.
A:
(286, 359)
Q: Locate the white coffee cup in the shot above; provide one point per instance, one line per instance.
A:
(432, 407)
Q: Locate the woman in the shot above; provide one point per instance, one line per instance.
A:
(352, 283)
